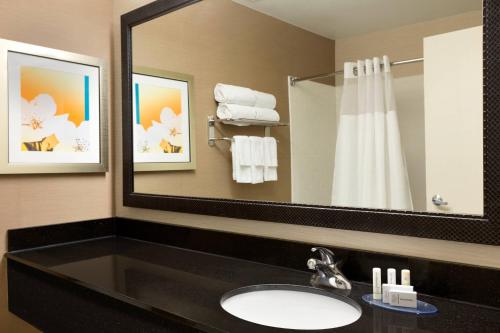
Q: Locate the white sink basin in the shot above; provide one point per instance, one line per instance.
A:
(291, 307)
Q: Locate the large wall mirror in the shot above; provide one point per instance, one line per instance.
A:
(365, 115)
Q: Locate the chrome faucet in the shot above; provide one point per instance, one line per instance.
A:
(327, 273)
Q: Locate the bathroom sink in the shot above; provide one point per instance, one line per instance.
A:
(291, 306)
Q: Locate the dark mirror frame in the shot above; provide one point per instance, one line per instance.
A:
(465, 228)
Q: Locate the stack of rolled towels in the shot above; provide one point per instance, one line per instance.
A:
(240, 103)
(255, 159)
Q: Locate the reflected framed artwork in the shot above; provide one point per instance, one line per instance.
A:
(53, 111)
(163, 122)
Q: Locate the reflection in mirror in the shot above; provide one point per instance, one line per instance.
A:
(306, 103)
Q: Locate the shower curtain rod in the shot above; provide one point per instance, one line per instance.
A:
(294, 79)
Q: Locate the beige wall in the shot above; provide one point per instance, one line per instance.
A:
(473, 254)
(232, 44)
(76, 26)
(401, 43)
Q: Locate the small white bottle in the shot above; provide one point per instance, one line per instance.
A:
(405, 277)
(391, 276)
(377, 283)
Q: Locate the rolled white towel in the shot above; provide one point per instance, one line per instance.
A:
(266, 114)
(265, 100)
(226, 93)
(235, 111)
(229, 94)
(238, 112)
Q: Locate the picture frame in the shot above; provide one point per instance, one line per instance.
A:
(53, 111)
(163, 120)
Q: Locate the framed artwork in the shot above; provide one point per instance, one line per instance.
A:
(52, 109)
(163, 124)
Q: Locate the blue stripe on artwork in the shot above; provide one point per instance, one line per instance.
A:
(87, 99)
(137, 113)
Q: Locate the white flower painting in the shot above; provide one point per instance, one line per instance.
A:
(54, 111)
(162, 123)
(56, 133)
(162, 137)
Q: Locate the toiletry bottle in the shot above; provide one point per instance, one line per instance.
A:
(391, 276)
(405, 277)
(377, 283)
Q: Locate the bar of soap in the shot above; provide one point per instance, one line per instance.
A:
(406, 299)
(386, 288)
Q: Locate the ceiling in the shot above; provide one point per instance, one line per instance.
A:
(343, 18)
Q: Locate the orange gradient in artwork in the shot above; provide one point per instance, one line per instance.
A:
(67, 90)
(153, 99)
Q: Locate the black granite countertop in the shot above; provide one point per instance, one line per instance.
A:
(187, 285)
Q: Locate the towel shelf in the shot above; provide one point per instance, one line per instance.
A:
(240, 122)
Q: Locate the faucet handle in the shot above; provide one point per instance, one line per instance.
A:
(312, 263)
(327, 255)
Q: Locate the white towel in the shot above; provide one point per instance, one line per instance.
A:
(257, 148)
(235, 112)
(266, 114)
(235, 160)
(255, 159)
(241, 155)
(238, 112)
(270, 159)
(245, 150)
(226, 93)
(229, 94)
(265, 100)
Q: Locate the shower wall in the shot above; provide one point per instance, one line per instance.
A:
(312, 140)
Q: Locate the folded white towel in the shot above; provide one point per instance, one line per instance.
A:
(241, 155)
(257, 148)
(226, 93)
(255, 159)
(270, 152)
(244, 149)
(235, 160)
(238, 112)
(270, 174)
(270, 159)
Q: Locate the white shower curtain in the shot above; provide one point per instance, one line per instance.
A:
(370, 169)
